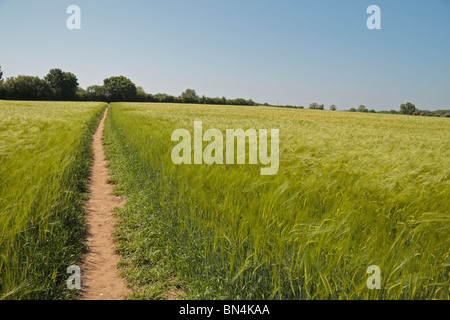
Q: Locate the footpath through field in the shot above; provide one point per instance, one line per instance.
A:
(99, 273)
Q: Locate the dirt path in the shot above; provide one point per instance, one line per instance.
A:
(99, 274)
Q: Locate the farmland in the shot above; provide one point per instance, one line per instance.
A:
(353, 190)
(350, 191)
(45, 154)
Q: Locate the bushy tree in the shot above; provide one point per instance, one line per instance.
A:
(239, 102)
(64, 84)
(408, 108)
(316, 106)
(27, 88)
(165, 98)
(217, 100)
(120, 89)
(82, 95)
(333, 107)
(97, 93)
(189, 96)
(141, 95)
(362, 108)
(223, 100)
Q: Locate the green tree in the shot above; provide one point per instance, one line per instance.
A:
(1, 75)
(163, 97)
(120, 89)
(408, 108)
(27, 88)
(64, 84)
(82, 95)
(141, 95)
(333, 107)
(97, 93)
(189, 96)
(362, 108)
(314, 105)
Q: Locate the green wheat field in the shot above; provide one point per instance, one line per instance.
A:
(353, 190)
(45, 155)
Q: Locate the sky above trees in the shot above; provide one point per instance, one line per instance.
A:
(281, 52)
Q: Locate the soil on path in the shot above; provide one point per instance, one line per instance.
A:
(99, 274)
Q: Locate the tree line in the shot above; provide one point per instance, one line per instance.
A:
(63, 86)
(405, 109)
(409, 109)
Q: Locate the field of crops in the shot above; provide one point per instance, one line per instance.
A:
(352, 190)
(45, 154)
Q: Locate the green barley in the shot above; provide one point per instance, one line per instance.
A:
(353, 190)
(45, 154)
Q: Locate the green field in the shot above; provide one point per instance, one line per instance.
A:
(353, 190)
(45, 154)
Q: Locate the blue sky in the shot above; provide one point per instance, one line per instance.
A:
(286, 52)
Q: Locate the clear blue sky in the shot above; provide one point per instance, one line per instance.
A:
(291, 52)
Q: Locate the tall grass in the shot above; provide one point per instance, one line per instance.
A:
(353, 190)
(45, 155)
